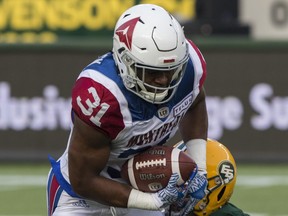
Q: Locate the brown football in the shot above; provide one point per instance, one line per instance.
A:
(150, 170)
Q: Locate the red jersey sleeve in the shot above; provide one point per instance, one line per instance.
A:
(94, 104)
(203, 63)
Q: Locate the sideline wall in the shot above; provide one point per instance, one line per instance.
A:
(246, 89)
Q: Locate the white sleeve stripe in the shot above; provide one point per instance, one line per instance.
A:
(175, 164)
(131, 173)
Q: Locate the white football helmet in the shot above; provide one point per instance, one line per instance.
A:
(147, 37)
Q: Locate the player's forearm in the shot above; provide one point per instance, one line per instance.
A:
(85, 179)
(194, 124)
(112, 193)
(193, 129)
(102, 190)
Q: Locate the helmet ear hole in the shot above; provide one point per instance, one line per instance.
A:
(221, 193)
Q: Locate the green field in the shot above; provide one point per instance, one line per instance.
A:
(260, 190)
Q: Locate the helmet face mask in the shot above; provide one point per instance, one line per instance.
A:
(138, 80)
(148, 40)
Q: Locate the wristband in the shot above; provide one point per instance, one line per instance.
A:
(196, 148)
(142, 200)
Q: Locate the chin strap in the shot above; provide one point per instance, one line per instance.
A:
(154, 97)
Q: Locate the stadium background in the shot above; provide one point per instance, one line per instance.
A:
(44, 44)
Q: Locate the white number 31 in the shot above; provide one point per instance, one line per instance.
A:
(92, 105)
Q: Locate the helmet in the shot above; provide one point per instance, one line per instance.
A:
(148, 38)
(221, 175)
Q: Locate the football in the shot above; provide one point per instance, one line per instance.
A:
(151, 170)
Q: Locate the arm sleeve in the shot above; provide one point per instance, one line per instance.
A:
(94, 104)
(198, 59)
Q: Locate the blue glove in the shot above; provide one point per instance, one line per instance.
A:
(170, 194)
(194, 190)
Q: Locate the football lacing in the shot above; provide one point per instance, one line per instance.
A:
(150, 163)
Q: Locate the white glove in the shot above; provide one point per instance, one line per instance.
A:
(170, 194)
(159, 200)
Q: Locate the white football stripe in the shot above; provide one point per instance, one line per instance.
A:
(262, 181)
(175, 164)
(131, 173)
(22, 180)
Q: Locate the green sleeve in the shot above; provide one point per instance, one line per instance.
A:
(229, 210)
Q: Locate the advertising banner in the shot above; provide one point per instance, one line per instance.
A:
(247, 100)
(54, 21)
(247, 95)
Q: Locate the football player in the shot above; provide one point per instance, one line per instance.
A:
(138, 95)
(221, 175)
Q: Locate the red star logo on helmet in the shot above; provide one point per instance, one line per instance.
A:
(125, 32)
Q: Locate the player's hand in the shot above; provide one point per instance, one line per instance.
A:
(198, 185)
(194, 189)
(170, 194)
